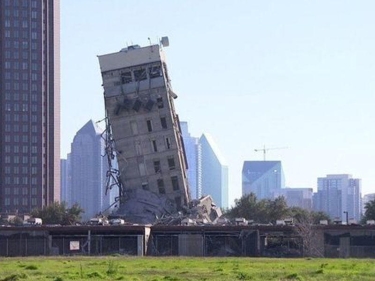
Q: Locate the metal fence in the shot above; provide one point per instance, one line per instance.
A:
(215, 244)
(24, 244)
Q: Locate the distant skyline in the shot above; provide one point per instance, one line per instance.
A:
(295, 74)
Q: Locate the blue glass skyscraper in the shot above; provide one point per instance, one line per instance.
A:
(88, 167)
(213, 171)
(191, 151)
(263, 178)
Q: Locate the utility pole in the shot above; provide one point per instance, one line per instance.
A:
(347, 217)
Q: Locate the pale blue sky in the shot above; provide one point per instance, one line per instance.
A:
(298, 74)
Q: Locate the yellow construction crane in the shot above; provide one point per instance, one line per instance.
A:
(264, 149)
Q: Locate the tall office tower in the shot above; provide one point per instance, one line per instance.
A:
(339, 196)
(64, 180)
(213, 171)
(88, 168)
(29, 104)
(263, 178)
(139, 104)
(298, 197)
(192, 149)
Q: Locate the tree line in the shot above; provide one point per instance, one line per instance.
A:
(266, 211)
(262, 211)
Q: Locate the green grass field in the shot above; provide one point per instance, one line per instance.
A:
(180, 268)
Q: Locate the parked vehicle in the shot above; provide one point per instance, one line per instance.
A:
(34, 221)
(116, 222)
(98, 221)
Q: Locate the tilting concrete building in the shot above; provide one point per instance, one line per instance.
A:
(144, 133)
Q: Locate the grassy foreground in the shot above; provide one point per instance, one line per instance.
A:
(183, 268)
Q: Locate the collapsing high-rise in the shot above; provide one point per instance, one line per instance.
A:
(144, 133)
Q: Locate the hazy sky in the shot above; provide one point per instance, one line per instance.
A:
(296, 74)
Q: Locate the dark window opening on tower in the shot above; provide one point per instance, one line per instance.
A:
(145, 186)
(155, 71)
(160, 102)
(149, 125)
(157, 166)
(126, 77)
(149, 105)
(163, 121)
(175, 185)
(137, 105)
(154, 147)
(127, 103)
(171, 163)
(168, 143)
(178, 201)
(140, 74)
(160, 183)
(161, 186)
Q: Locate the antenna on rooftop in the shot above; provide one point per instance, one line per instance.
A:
(149, 40)
(164, 41)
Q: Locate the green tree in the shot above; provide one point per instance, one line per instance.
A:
(263, 211)
(277, 209)
(58, 213)
(301, 215)
(73, 215)
(319, 216)
(369, 211)
(267, 210)
(245, 207)
(16, 221)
